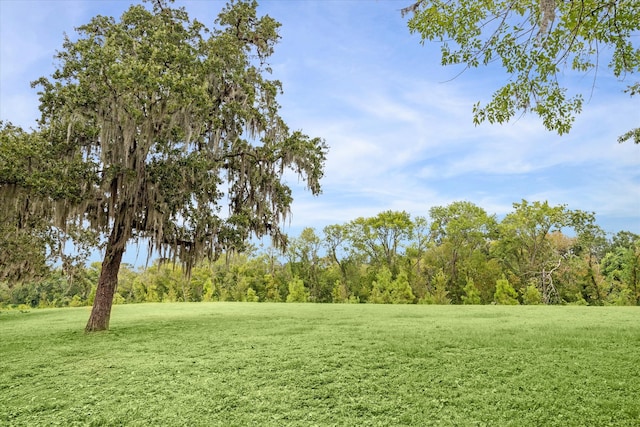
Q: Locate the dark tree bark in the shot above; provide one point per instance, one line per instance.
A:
(107, 283)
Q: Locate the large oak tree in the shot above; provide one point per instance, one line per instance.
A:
(172, 121)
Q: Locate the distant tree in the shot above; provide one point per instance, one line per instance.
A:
(350, 262)
(333, 239)
(303, 253)
(127, 283)
(414, 256)
(534, 41)
(160, 112)
(531, 245)
(462, 232)
(621, 267)
(583, 269)
(623, 239)
(381, 238)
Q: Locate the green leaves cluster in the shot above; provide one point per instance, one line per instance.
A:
(534, 41)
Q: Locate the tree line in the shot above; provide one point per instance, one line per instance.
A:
(458, 254)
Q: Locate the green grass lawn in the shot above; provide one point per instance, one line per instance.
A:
(242, 364)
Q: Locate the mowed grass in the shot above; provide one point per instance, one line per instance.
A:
(237, 364)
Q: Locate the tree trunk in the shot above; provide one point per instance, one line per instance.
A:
(107, 283)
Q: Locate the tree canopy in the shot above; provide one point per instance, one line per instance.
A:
(534, 41)
(164, 122)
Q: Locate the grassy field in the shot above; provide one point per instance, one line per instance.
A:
(237, 364)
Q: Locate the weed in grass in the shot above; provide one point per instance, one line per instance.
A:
(303, 364)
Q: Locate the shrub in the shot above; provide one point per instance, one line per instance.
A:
(440, 295)
(505, 294)
(400, 291)
(340, 293)
(76, 301)
(297, 291)
(252, 296)
(471, 293)
(380, 288)
(532, 295)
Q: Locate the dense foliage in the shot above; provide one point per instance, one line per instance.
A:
(537, 254)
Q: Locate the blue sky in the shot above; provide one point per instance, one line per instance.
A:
(398, 123)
